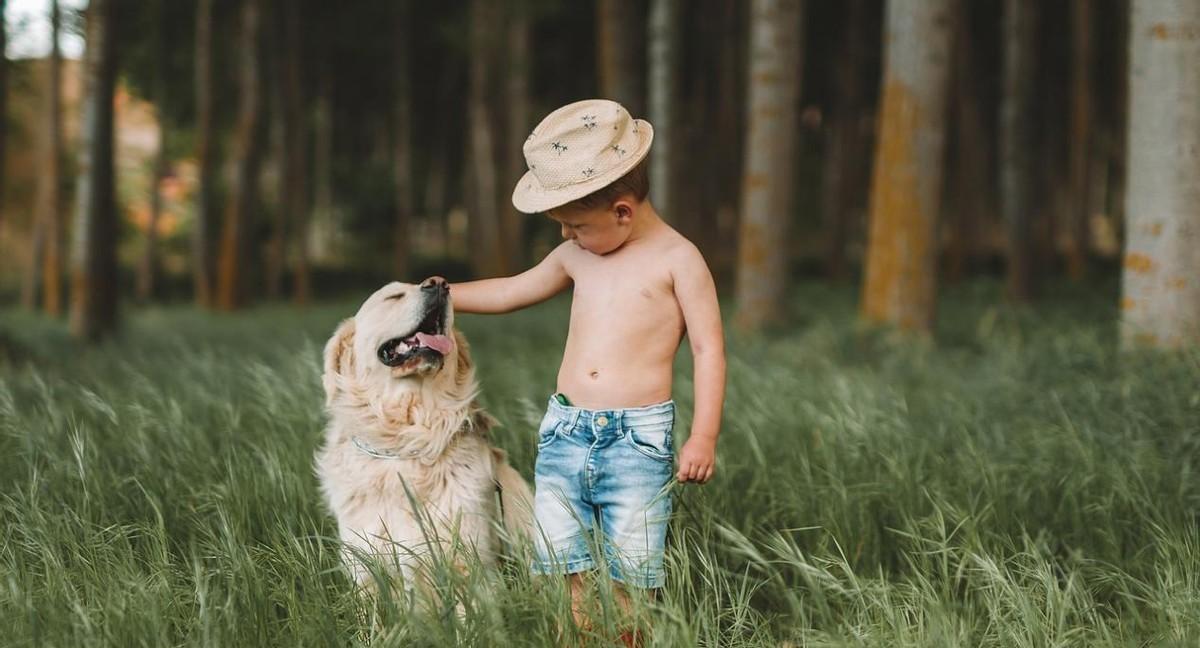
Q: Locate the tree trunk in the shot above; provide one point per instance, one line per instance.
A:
(147, 277)
(770, 155)
(324, 228)
(247, 150)
(3, 105)
(518, 129)
(31, 283)
(1160, 301)
(402, 145)
(49, 210)
(969, 187)
(617, 53)
(94, 253)
(900, 286)
(288, 137)
(732, 68)
(1120, 119)
(844, 142)
(296, 198)
(203, 268)
(663, 45)
(1016, 144)
(440, 167)
(487, 252)
(44, 278)
(1081, 136)
(275, 165)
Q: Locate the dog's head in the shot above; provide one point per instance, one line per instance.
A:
(402, 333)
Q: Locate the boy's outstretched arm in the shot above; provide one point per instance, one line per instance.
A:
(697, 295)
(506, 294)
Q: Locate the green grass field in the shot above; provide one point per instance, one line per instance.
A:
(1016, 483)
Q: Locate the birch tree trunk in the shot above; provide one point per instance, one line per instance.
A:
(900, 285)
(203, 268)
(94, 253)
(663, 46)
(1016, 144)
(617, 25)
(247, 150)
(1160, 301)
(769, 159)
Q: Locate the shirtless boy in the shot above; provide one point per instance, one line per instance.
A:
(605, 449)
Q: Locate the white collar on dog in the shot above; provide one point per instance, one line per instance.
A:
(383, 454)
(422, 453)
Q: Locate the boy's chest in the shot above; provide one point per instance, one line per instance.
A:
(630, 281)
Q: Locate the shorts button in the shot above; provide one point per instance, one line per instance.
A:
(602, 421)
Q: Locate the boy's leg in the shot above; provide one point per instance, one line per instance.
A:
(578, 594)
(634, 500)
(562, 517)
(635, 508)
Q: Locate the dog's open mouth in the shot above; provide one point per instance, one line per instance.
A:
(429, 338)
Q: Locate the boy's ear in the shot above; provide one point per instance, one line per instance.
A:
(624, 209)
(339, 358)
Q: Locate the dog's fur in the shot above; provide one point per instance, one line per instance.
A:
(422, 412)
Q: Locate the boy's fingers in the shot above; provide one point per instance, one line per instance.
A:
(708, 474)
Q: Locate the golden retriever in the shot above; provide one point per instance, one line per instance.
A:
(404, 427)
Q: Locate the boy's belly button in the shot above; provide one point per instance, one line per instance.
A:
(594, 374)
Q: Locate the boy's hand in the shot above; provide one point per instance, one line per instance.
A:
(697, 459)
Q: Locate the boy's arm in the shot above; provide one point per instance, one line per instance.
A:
(506, 294)
(697, 295)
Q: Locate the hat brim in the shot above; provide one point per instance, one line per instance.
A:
(531, 197)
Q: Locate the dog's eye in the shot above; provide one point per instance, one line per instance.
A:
(396, 296)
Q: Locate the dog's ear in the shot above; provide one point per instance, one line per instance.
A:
(481, 421)
(339, 357)
(464, 364)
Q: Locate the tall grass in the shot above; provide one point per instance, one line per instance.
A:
(1015, 483)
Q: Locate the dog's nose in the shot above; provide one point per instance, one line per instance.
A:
(435, 286)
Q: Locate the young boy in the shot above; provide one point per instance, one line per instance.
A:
(605, 448)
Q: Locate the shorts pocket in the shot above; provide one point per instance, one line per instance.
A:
(548, 429)
(654, 442)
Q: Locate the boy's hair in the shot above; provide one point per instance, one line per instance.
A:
(635, 182)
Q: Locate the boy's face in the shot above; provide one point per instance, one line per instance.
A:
(600, 230)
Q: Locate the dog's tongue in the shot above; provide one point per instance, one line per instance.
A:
(440, 343)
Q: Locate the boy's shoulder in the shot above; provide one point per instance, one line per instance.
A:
(678, 251)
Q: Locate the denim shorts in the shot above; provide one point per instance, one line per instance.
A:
(601, 491)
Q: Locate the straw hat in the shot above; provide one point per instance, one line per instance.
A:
(578, 149)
